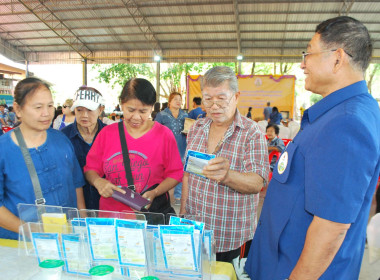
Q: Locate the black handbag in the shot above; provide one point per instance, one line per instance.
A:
(161, 203)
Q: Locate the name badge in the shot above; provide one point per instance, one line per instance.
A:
(282, 169)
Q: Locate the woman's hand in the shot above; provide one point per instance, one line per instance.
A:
(150, 195)
(106, 188)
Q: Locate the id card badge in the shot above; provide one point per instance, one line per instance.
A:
(283, 165)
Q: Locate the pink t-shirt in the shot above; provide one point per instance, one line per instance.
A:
(154, 157)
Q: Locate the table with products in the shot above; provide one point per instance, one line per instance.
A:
(17, 266)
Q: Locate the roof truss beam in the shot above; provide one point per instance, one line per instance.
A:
(142, 24)
(237, 23)
(53, 22)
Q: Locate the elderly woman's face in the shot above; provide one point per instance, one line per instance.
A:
(136, 113)
(86, 117)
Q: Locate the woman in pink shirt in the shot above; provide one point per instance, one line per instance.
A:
(152, 150)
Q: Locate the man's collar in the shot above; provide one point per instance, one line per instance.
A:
(74, 130)
(335, 98)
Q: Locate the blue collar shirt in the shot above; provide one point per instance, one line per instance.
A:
(330, 170)
(82, 148)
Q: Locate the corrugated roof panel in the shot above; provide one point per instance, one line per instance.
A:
(215, 27)
(180, 45)
(263, 36)
(262, 18)
(166, 29)
(23, 26)
(189, 26)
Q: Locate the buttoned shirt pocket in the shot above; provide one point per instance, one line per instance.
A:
(282, 169)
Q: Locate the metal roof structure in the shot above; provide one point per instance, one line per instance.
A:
(133, 31)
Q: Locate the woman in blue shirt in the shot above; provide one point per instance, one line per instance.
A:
(51, 152)
(174, 118)
(275, 117)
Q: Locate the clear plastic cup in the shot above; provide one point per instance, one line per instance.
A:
(101, 272)
(51, 269)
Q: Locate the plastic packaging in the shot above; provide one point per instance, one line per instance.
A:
(101, 272)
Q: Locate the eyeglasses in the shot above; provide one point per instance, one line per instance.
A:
(65, 106)
(305, 54)
(219, 103)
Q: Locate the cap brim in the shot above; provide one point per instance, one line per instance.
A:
(85, 103)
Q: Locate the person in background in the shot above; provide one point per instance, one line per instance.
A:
(3, 118)
(82, 133)
(152, 150)
(12, 119)
(117, 108)
(174, 118)
(67, 116)
(226, 198)
(267, 111)
(249, 114)
(313, 222)
(52, 154)
(57, 112)
(103, 113)
(274, 143)
(197, 112)
(164, 106)
(156, 110)
(275, 117)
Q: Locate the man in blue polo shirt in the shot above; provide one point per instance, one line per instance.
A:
(197, 112)
(314, 218)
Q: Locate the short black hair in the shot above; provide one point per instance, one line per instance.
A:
(275, 126)
(140, 89)
(27, 87)
(197, 100)
(349, 34)
(274, 110)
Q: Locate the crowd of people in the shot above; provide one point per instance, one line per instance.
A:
(314, 217)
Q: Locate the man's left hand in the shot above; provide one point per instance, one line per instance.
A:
(217, 169)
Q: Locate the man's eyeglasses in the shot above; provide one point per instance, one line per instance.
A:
(305, 54)
(220, 103)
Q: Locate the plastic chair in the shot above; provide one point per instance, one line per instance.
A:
(286, 141)
(294, 128)
(262, 125)
(272, 154)
(284, 132)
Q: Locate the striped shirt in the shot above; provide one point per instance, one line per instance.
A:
(232, 215)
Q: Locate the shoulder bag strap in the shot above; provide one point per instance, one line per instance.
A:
(126, 160)
(40, 200)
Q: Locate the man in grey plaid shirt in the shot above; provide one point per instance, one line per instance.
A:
(226, 200)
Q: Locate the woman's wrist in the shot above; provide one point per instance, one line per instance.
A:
(97, 179)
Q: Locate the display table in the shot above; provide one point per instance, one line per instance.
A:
(16, 266)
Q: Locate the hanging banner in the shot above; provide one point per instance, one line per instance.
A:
(255, 92)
